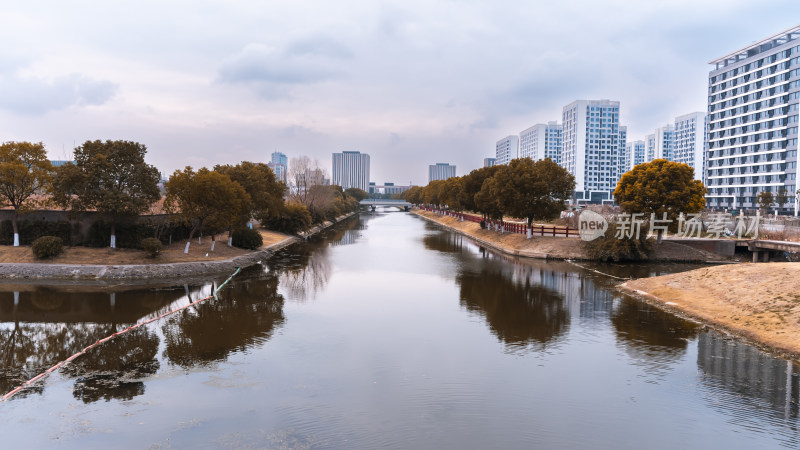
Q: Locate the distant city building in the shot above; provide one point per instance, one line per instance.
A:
(441, 171)
(650, 143)
(489, 162)
(689, 142)
(665, 141)
(623, 158)
(279, 164)
(506, 149)
(635, 151)
(351, 170)
(752, 122)
(386, 188)
(60, 162)
(591, 147)
(541, 141)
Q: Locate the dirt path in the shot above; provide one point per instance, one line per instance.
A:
(760, 302)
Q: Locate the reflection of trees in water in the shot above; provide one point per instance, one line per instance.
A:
(303, 270)
(444, 242)
(655, 339)
(525, 316)
(112, 370)
(247, 314)
(47, 325)
(746, 383)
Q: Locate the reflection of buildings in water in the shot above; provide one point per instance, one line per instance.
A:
(738, 374)
(248, 313)
(348, 237)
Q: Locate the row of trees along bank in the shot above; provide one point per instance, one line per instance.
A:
(533, 190)
(113, 179)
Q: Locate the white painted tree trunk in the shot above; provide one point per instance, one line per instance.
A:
(530, 235)
(212, 245)
(230, 241)
(16, 239)
(16, 298)
(113, 241)
(186, 250)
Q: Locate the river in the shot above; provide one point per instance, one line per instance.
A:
(386, 332)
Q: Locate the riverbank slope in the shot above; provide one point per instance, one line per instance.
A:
(548, 247)
(759, 302)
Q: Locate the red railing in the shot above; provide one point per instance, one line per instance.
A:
(508, 227)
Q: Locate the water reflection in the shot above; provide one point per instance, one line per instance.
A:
(741, 378)
(248, 313)
(653, 338)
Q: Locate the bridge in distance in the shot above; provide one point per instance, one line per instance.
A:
(373, 203)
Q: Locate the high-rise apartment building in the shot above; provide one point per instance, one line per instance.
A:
(541, 141)
(351, 170)
(591, 147)
(689, 142)
(636, 151)
(441, 171)
(623, 159)
(752, 122)
(489, 162)
(279, 164)
(665, 141)
(507, 149)
(650, 145)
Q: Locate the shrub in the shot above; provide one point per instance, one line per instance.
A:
(247, 238)
(609, 248)
(151, 246)
(47, 247)
(292, 218)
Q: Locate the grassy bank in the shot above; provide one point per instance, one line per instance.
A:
(759, 302)
(555, 247)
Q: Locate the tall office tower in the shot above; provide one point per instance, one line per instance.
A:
(752, 122)
(541, 141)
(351, 170)
(623, 159)
(279, 164)
(591, 139)
(507, 149)
(441, 171)
(636, 151)
(489, 162)
(690, 138)
(650, 145)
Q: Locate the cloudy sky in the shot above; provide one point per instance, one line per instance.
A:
(410, 82)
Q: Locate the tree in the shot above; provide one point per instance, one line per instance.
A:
(485, 201)
(782, 196)
(356, 193)
(110, 177)
(765, 200)
(532, 189)
(205, 198)
(431, 193)
(452, 193)
(24, 172)
(413, 195)
(265, 191)
(660, 187)
(304, 173)
(473, 182)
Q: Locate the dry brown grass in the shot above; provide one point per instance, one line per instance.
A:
(758, 301)
(170, 254)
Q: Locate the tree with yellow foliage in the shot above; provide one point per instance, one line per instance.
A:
(24, 171)
(660, 187)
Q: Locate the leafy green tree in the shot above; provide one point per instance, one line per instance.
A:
(24, 172)
(532, 189)
(472, 184)
(660, 187)
(110, 177)
(205, 198)
(765, 200)
(486, 202)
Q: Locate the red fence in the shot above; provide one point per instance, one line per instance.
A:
(508, 227)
